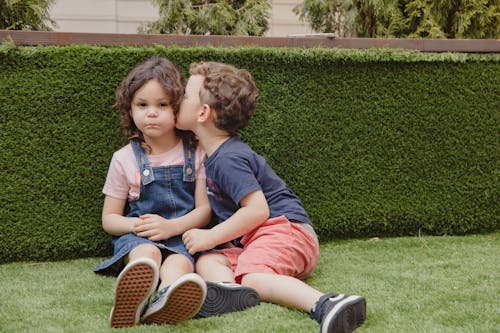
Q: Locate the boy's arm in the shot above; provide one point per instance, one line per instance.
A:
(252, 213)
(113, 221)
(156, 228)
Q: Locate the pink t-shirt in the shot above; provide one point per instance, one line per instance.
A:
(123, 180)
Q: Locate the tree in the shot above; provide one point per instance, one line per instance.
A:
(211, 17)
(404, 18)
(329, 16)
(26, 15)
(453, 18)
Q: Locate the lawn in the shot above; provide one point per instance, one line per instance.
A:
(412, 284)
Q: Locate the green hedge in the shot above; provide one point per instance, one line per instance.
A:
(375, 142)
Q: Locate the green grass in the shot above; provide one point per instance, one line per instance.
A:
(420, 284)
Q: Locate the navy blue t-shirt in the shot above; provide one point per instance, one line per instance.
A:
(235, 170)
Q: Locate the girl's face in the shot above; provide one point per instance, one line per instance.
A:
(151, 110)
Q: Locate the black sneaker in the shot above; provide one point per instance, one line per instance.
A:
(339, 313)
(224, 297)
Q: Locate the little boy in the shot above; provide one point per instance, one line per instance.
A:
(276, 247)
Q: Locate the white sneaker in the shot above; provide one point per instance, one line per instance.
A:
(178, 302)
(134, 285)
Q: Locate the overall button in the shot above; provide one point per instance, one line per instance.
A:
(145, 172)
(189, 171)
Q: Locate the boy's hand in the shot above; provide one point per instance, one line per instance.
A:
(154, 228)
(197, 240)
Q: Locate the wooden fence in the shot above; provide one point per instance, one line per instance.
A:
(34, 38)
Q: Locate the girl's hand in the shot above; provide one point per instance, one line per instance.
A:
(197, 240)
(155, 228)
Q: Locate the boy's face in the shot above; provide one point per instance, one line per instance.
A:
(191, 104)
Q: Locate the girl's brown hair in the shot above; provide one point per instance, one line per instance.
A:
(154, 68)
(231, 92)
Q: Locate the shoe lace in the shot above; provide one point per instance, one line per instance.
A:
(159, 294)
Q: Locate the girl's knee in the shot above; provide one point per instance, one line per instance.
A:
(145, 251)
(179, 261)
(174, 266)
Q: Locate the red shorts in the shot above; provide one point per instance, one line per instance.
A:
(278, 247)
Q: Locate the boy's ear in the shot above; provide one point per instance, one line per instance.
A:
(205, 113)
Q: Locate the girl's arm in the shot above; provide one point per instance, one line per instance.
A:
(113, 221)
(253, 212)
(155, 227)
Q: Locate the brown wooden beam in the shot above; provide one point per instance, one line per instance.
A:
(35, 38)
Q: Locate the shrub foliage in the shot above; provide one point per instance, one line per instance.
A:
(375, 142)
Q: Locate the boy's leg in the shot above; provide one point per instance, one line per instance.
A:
(283, 254)
(181, 293)
(282, 290)
(223, 294)
(215, 267)
(335, 313)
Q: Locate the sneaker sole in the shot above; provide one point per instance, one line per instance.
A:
(133, 287)
(226, 298)
(182, 303)
(346, 316)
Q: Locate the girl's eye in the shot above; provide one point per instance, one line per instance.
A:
(141, 105)
(164, 105)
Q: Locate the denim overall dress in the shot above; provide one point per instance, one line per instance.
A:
(167, 191)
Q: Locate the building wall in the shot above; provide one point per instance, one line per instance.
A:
(283, 21)
(109, 16)
(125, 16)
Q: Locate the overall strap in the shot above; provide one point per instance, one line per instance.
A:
(142, 159)
(189, 161)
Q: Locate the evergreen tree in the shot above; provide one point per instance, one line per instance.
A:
(26, 15)
(453, 18)
(404, 18)
(329, 16)
(378, 18)
(211, 17)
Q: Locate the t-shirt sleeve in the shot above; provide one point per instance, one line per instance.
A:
(116, 184)
(237, 177)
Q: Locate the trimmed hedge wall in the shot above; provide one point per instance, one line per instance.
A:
(375, 142)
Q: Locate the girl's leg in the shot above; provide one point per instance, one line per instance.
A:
(174, 266)
(134, 285)
(144, 251)
(180, 295)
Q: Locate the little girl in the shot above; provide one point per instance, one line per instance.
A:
(154, 191)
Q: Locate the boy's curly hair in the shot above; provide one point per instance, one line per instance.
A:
(231, 92)
(154, 68)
